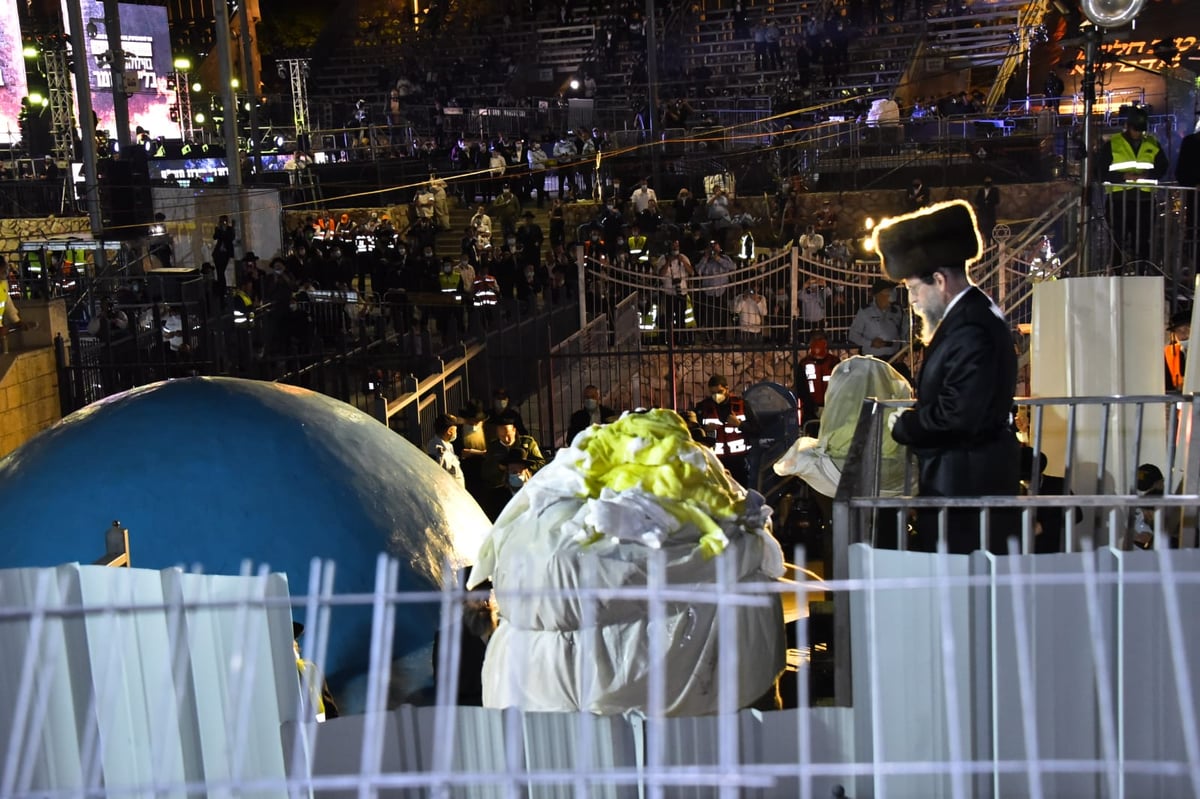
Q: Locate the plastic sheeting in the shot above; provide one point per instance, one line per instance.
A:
(818, 461)
(596, 519)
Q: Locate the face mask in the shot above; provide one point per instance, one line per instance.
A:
(428, 253)
(718, 397)
(529, 275)
(591, 404)
(516, 481)
(501, 404)
(447, 269)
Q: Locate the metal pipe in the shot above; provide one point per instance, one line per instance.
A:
(87, 127)
(1092, 41)
(228, 98)
(251, 79)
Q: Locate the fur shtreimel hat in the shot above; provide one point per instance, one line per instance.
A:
(917, 244)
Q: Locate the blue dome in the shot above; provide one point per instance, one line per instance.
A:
(214, 471)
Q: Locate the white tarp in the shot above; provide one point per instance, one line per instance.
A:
(818, 461)
(593, 522)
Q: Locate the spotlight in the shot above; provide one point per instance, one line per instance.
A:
(183, 64)
(196, 86)
(574, 84)
(30, 51)
(869, 223)
(279, 141)
(199, 117)
(234, 83)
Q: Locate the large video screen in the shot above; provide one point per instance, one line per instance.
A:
(146, 40)
(12, 72)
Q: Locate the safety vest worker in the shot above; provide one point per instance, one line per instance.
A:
(638, 242)
(449, 281)
(486, 290)
(718, 413)
(1133, 158)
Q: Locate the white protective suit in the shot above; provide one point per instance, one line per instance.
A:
(819, 461)
(594, 518)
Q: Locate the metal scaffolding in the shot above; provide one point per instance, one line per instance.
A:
(62, 103)
(297, 69)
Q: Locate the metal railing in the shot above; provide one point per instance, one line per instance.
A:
(1099, 444)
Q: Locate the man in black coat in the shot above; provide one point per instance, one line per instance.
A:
(960, 428)
(591, 413)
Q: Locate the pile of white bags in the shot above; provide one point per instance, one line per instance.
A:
(589, 524)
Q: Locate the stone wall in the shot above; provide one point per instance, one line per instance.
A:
(28, 396)
(1019, 201)
(14, 231)
(648, 382)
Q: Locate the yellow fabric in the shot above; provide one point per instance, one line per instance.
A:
(314, 685)
(655, 452)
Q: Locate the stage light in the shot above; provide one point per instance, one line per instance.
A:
(183, 64)
(196, 86)
(35, 98)
(574, 84)
(30, 51)
(234, 83)
(199, 117)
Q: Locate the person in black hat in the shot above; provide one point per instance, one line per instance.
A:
(1175, 353)
(960, 427)
(1131, 162)
(529, 241)
(880, 328)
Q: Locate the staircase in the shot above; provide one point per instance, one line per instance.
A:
(979, 42)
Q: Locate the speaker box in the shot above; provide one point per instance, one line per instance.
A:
(126, 203)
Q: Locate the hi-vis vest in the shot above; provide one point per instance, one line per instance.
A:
(637, 248)
(448, 281)
(1141, 163)
(486, 290)
(729, 439)
(33, 264)
(3, 299)
(1175, 363)
(648, 320)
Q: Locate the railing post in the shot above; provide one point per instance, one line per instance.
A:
(581, 282)
(412, 416)
(1191, 477)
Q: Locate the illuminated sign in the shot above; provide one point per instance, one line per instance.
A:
(146, 43)
(188, 171)
(1146, 54)
(12, 72)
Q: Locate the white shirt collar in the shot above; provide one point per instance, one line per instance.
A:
(954, 301)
